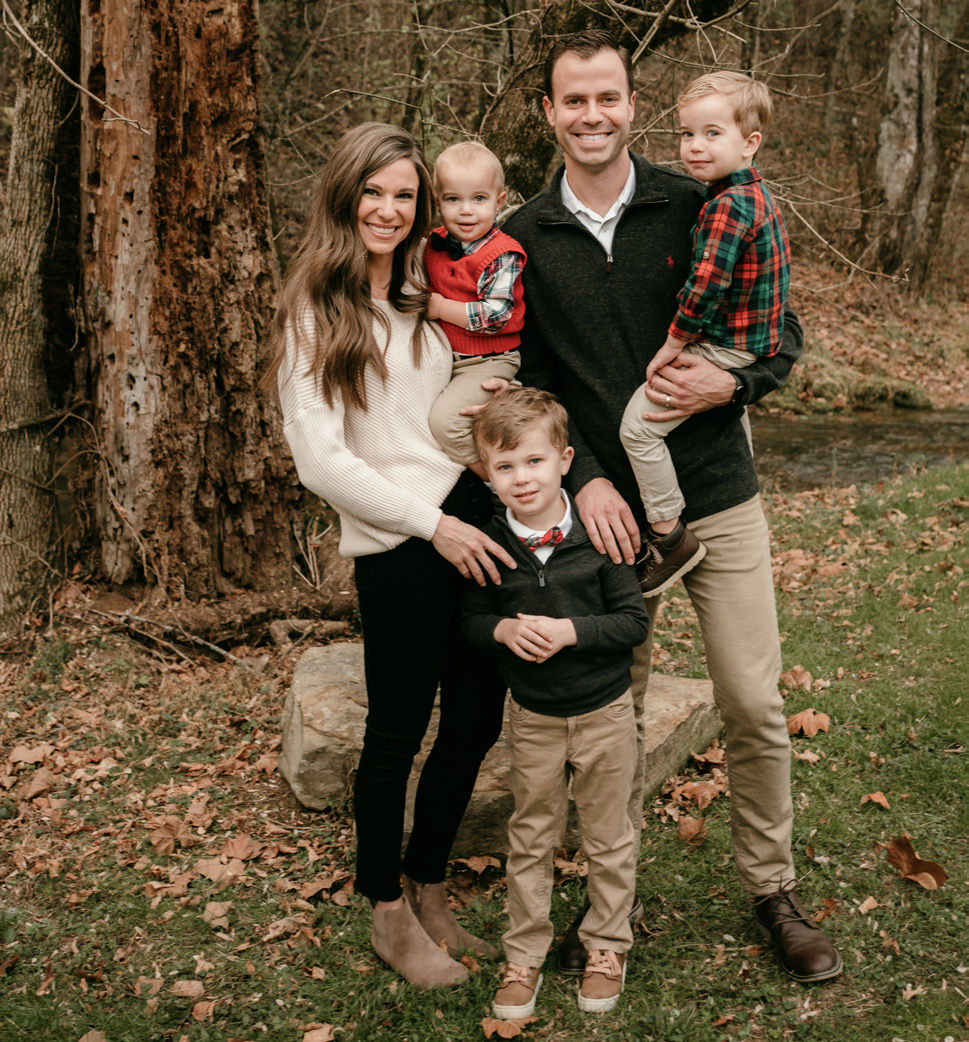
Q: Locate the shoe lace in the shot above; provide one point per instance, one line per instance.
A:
(517, 975)
(651, 553)
(602, 960)
(785, 906)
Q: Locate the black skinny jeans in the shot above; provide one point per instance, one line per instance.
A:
(409, 606)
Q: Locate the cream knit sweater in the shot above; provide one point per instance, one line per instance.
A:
(381, 469)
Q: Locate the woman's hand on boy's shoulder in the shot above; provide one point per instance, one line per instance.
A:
(470, 550)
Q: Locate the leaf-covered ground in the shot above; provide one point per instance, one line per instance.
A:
(160, 882)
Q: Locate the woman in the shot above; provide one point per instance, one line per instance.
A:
(359, 369)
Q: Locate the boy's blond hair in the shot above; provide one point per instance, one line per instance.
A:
(502, 423)
(751, 100)
(467, 153)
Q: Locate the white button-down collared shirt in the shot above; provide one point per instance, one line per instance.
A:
(602, 227)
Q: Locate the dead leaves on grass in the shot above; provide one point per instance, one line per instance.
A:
(505, 1028)
(927, 874)
(808, 722)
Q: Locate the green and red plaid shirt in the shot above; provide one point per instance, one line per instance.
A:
(736, 291)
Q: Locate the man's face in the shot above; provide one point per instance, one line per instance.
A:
(591, 109)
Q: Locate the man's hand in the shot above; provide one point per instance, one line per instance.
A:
(608, 520)
(691, 385)
(468, 549)
(535, 638)
(494, 384)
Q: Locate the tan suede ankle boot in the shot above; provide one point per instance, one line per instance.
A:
(399, 939)
(429, 901)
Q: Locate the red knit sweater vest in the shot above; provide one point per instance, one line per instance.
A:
(458, 280)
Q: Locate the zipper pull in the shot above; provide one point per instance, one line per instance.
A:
(608, 263)
(541, 577)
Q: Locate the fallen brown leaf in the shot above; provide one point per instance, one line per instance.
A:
(169, 831)
(868, 905)
(40, 783)
(796, 678)
(324, 1033)
(692, 831)
(505, 1028)
(875, 797)
(808, 722)
(242, 847)
(218, 872)
(93, 1036)
(188, 989)
(216, 914)
(203, 1011)
(806, 755)
(829, 906)
(927, 874)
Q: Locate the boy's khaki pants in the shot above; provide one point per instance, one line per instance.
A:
(450, 428)
(598, 751)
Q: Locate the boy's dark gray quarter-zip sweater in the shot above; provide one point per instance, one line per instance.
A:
(594, 320)
(602, 599)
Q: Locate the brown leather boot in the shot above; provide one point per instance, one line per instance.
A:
(398, 938)
(429, 901)
(802, 947)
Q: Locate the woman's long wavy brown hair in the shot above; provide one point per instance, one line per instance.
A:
(328, 272)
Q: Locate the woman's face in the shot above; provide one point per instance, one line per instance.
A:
(388, 207)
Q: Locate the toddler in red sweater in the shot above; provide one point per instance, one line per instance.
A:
(474, 271)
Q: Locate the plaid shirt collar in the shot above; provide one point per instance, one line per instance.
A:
(748, 175)
(472, 247)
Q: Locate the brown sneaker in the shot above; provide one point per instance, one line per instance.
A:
(605, 974)
(667, 557)
(516, 996)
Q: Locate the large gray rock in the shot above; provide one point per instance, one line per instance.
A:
(325, 712)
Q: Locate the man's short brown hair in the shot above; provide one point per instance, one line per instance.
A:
(750, 99)
(502, 423)
(587, 44)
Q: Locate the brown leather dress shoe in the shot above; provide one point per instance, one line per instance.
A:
(802, 947)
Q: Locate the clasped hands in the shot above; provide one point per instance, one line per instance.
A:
(535, 638)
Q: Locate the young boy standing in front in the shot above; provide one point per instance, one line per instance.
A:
(563, 624)
(474, 272)
(731, 310)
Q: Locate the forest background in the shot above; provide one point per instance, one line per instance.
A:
(155, 183)
(159, 880)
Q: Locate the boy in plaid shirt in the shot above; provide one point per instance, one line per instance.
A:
(731, 309)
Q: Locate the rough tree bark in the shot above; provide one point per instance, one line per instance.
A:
(29, 222)
(921, 138)
(514, 127)
(195, 489)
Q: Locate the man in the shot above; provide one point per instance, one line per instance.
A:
(609, 245)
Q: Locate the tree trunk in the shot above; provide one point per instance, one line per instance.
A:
(906, 162)
(921, 139)
(195, 489)
(29, 223)
(951, 135)
(515, 127)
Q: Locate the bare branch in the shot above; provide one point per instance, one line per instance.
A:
(119, 117)
(945, 39)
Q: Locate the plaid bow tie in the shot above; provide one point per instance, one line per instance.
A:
(442, 242)
(551, 537)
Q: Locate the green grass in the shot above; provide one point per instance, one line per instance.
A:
(92, 915)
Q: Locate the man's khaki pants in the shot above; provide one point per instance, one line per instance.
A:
(598, 751)
(732, 591)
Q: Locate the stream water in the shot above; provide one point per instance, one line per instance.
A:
(797, 453)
